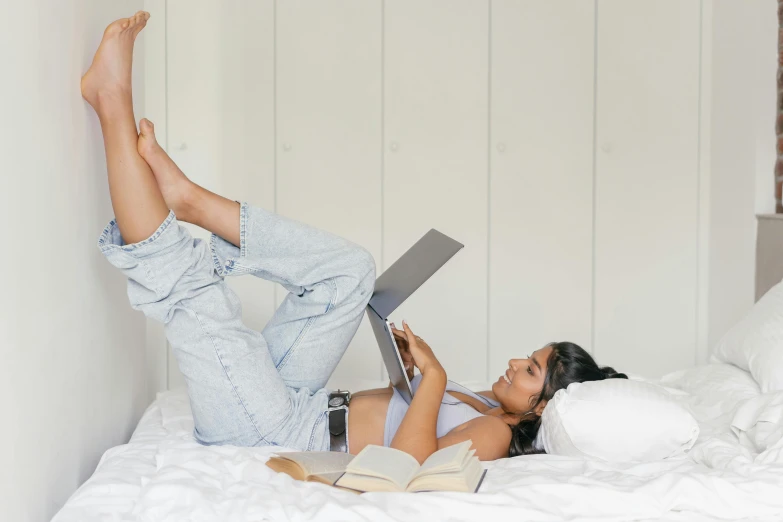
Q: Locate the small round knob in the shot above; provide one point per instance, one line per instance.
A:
(286, 147)
(606, 147)
(501, 147)
(394, 146)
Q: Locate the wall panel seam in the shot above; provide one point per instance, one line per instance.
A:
(704, 167)
(166, 136)
(274, 128)
(697, 307)
(489, 185)
(383, 147)
(593, 349)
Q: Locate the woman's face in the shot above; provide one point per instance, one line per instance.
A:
(517, 389)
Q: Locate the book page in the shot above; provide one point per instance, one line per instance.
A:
(452, 458)
(318, 462)
(383, 462)
(328, 478)
(289, 467)
(466, 480)
(452, 467)
(366, 483)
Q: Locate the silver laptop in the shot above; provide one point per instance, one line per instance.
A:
(398, 283)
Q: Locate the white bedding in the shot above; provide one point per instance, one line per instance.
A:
(162, 474)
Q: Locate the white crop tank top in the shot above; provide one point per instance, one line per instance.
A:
(452, 413)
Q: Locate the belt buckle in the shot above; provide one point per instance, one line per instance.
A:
(338, 430)
(339, 399)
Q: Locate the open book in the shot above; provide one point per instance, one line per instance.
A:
(313, 466)
(377, 468)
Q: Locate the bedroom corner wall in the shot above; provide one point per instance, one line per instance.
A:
(742, 152)
(74, 376)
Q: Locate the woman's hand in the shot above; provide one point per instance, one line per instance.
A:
(419, 351)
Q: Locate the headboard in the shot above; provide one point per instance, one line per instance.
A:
(769, 252)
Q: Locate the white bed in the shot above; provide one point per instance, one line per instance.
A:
(162, 474)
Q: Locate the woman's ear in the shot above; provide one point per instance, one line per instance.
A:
(540, 407)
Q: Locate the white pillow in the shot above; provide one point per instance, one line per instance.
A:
(616, 420)
(755, 343)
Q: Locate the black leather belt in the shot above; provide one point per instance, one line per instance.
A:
(338, 416)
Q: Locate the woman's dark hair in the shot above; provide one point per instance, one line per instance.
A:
(568, 363)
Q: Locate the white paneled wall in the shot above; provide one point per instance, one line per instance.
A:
(743, 112)
(558, 140)
(646, 183)
(541, 203)
(329, 114)
(436, 105)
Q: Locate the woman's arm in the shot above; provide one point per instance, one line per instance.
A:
(417, 434)
(491, 437)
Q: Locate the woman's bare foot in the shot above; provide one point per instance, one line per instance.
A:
(110, 72)
(178, 191)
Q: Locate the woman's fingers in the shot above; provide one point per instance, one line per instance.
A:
(401, 341)
(407, 343)
(402, 347)
(409, 333)
(402, 333)
(407, 359)
(422, 354)
(413, 345)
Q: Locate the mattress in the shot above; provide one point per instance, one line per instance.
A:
(162, 474)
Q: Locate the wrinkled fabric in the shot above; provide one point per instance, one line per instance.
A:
(163, 475)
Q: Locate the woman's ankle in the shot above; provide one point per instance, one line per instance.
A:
(109, 103)
(188, 206)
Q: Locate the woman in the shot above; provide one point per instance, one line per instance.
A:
(261, 388)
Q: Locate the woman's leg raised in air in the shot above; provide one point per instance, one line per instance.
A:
(236, 394)
(329, 279)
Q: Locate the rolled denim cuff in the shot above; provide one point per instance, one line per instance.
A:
(225, 254)
(111, 240)
(166, 251)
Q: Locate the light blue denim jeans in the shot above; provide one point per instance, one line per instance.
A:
(250, 388)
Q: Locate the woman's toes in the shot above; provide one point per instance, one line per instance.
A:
(147, 141)
(147, 128)
(141, 22)
(135, 20)
(116, 26)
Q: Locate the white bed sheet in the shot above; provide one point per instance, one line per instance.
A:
(162, 474)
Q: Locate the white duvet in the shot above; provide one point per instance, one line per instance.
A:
(734, 471)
